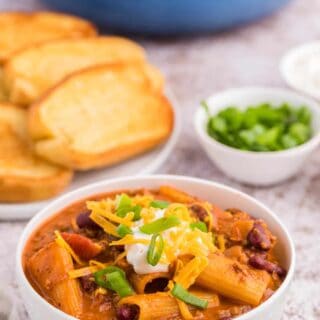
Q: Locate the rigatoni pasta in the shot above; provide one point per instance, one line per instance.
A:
(64, 292)
(234, 280)
(153, 254)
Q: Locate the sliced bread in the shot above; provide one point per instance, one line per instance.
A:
(100, 116)
(30, 72)
(23, 175)
(22, 29)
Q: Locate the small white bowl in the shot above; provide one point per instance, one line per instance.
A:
(39, 309)
(257, 168)
(300, 68)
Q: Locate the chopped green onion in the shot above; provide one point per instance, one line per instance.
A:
(160, 225)
(199, 225)
(159, 204)
(137, 212)
(262, 128)
(123, 230)
(155, 249)
(119, 284)
(113, 278)
(300, 132)
(124, 206)
(123, 201)
(179, 292)
(100, 277)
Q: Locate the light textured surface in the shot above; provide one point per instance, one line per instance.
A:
(196, 67)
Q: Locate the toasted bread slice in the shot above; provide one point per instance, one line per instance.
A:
(100, 116)
(31, 72)
(22, 29)
(24, 176)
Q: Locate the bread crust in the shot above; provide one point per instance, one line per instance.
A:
(30, 72)
(20, 30)
(59, 149)
(20, 178)
(15, 189)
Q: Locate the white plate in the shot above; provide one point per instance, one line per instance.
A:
(143, 164)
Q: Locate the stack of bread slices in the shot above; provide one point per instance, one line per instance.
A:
(71, 100)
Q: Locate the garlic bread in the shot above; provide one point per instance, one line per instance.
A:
(30, 72)
(100, 116)
(23, 175)
(22, 29)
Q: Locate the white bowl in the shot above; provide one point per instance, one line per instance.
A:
(257, 168)
(40, 309)
(300, 68)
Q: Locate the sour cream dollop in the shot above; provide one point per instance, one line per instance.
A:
(137, 253)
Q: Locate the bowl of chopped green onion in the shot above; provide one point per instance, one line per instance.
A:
(256, 135)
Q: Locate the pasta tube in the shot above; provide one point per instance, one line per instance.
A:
(161, 305)
(49, 269)
(150, 283)
(234, 280)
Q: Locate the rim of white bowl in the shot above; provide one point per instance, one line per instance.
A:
(312, 105)
(37, 220)
(286, 62)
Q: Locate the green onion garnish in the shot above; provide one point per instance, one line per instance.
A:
(137, 212)
(155, 249)
(160, 225)
(124, 205)
(123, 230)
(100, 276)
(179, 292)
(199, 225)
(113, 278)
(262, 127)
(119, 284)
(159, 204)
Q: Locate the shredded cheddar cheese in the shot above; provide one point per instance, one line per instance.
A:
(184, 310)
(93, 267)
(73, 274)
(100, 290)
(148, 215)
(62, 243)
(221, 242)
(179, 210)
(128, 239)
(178, 267)
(143, 201)
(96, 208)
(120, 257)
(184, 241)
(107, 226)
(188, 274)
(98, 264)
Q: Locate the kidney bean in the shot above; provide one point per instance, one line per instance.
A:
(83, 221)
(87, 284)
(128, 312)
(281, 272)
(258, 237)
(259, 262)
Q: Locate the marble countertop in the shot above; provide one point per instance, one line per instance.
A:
(196, 67)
